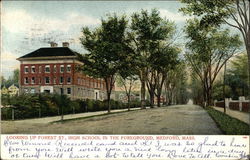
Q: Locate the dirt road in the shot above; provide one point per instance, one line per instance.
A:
(177, 120)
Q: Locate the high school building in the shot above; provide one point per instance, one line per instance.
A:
(53, 70)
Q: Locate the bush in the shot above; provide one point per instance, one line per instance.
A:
(227, 124)
(30, 105)
(6, 113)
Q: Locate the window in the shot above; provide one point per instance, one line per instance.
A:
(54, 80)
(32, 90)
(33, 80)
(40, 69)
(61, 68)
(68, 90)
(78, 80)
(47, 69)
(26, 80)
(47, 80)
(61, 80)
(40, 80)
(55, 68)
(69, 80)
(26, 69)
(33, 69)
(69, 68)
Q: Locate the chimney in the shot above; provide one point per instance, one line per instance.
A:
(65, 44)
(53, 44)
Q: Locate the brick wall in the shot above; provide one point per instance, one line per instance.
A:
(243, 106)
(234, 106)
(246, 106)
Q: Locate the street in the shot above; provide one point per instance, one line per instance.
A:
(173, 120)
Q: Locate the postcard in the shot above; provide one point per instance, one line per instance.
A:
(125, 79)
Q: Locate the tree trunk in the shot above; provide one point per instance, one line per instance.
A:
(109, 108)
(158, 100)
(143, 89)
(169, 97)
(204, 95)
(151, 93)
(128, 102)
(109, 83)
(159, 91)
(209, 96)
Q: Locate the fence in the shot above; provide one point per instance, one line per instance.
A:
(239, 105)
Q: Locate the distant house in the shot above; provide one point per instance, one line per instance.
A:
(4, 90)
(13, 90)
(53, 70)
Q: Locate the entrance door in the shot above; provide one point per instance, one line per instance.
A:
(46, 91)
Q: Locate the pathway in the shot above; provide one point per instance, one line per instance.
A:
(243, 116)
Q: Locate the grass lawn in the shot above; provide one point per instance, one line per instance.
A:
(227, 124)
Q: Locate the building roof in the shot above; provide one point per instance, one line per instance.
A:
(50, 52)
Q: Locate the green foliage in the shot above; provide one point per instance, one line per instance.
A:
(181, 84)
(28, 105)
(176, 84)
(147, 31)
(165, 59)
(208, 50)
(106, 46)
(13, 79)
(108, 51)
(215, 13)
(237, 76)
(229, 125)
(212, 12)
(196, 89)
(236, 79)
(152, 41)
(218, 91)
(210, 43)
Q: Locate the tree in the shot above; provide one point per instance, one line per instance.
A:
(236, 77)
(208, 50)
(106, 46)
(196, 89)
(3, 81)
(162, 62)
(235, 13)
(128, 83)
(175, 84)
(147, 31)
(13, 79)
(16, 77)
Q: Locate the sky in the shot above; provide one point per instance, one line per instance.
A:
(30, 25)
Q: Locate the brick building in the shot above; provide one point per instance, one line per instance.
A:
(53, 70)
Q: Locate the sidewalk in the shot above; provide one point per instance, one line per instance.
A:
(69, 116)
(243, 116)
